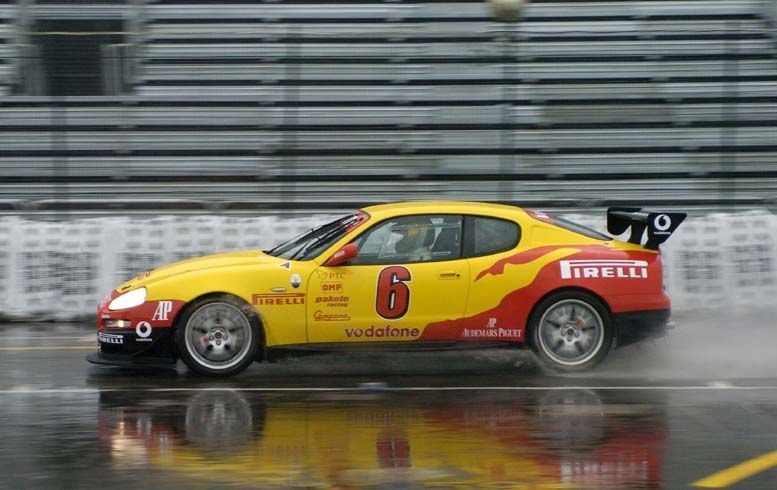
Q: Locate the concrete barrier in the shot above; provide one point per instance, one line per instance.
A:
(61, 270)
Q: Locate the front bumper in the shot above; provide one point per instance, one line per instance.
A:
(126, 360)
(131, 336)
(157, 341)
(125, 347)
(635, 326)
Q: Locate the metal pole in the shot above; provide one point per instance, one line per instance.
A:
(292, 75)
(729, 116)
(506, 137)
(507, 12)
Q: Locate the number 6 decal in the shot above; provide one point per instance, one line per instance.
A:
(393, 298)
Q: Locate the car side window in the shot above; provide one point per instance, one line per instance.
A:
(493, 235)
(407, 239)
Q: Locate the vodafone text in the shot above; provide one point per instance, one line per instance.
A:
(383, 332)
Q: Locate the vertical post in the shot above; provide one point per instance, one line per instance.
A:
(507, 12)
(59, 147)
(505, 135)
(729, 117)
(292, 74)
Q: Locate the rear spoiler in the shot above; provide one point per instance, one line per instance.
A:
(659, 225)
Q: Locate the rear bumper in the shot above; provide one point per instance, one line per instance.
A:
(635, 326)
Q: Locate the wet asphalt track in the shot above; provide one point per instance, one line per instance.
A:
(690, 409)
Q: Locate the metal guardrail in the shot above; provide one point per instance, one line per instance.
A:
(108, 196)
(271, 167)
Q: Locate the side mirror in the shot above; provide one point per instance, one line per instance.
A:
(343, 255)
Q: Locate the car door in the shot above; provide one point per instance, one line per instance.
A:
(491, 311)
(408, 273)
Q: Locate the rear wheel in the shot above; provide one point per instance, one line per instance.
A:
(571, 331)
(218, 336)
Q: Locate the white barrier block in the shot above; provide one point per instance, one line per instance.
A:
(141, 246)
(8, 240)
(63, 269)
(693, 264)
(750, 248)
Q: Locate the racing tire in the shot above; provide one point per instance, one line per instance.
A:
(218, 336)
(570, 331)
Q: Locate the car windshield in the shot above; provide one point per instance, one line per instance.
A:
(314, 241)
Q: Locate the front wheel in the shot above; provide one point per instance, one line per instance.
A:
(571, 331)
(218, 336)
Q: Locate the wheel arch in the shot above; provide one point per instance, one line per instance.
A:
(248, 310)
(570, 289)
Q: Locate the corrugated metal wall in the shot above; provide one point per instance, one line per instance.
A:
(252, 105)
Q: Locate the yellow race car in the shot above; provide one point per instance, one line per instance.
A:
(402, 275)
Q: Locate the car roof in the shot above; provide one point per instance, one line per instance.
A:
(442, 207)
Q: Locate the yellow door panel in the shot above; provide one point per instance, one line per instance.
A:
(378, 303)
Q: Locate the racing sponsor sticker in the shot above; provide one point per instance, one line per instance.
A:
(143, 331)
(491, 333)
(333, 301)
(278, 299)
(329, 276)
(331, 287)
(388, 332)
(320, 316)
(107, 338)
(662, 223)
(602, 269)
(163, 309)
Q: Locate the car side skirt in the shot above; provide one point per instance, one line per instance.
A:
(415, 345)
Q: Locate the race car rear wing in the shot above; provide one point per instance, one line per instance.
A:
(659, 225)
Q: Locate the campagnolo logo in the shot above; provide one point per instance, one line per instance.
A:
(595, 269)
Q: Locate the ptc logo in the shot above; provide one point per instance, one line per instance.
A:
(662, 223)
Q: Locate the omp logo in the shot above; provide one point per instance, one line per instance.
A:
(594, 269)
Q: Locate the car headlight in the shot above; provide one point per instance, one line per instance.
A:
(136, 297)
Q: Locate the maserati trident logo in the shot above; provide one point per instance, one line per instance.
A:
(595, 269)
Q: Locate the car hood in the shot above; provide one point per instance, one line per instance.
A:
(231, 259)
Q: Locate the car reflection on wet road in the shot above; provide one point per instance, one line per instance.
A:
(443, 420)
(354, 440)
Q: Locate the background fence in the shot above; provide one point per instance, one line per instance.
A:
(149, 106)
(62, 270)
